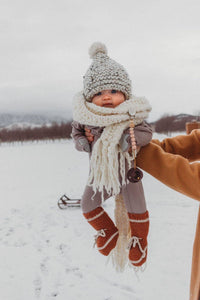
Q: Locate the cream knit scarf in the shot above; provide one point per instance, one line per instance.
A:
(107, 159)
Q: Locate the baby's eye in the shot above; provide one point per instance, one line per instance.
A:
(113, 91)
(98, 94)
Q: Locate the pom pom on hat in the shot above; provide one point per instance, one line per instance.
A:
(96, 48)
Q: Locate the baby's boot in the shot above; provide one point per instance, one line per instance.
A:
(107, 232)
(139, 224)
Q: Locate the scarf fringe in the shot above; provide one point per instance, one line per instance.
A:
(120, 253)
(108, 161)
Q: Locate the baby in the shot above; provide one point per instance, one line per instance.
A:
(102, 114)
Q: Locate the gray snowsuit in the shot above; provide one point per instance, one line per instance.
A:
(133, 193)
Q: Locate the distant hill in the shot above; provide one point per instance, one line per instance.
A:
(171, 123)
(9, 120)
(167, 123)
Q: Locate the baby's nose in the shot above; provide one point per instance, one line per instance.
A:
(106, 96)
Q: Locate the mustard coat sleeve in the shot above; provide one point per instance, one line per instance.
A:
(195, 271)
(187, 146)
(168, 161)
(171, 169)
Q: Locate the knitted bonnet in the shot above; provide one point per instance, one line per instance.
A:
(104, 74)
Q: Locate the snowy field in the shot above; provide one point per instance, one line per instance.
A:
(47, 253)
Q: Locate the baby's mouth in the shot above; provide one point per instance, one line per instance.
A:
(108, 105)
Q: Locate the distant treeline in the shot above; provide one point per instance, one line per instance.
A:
(165, 124)
(52, 132)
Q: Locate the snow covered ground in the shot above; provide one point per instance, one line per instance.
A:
(46, 253)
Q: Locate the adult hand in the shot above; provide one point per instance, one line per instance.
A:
(89, 135)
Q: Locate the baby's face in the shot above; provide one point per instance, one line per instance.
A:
(108, 98)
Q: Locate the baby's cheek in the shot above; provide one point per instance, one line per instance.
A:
(97, 101)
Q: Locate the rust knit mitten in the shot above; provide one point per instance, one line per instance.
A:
(139, 224)
(107, 232)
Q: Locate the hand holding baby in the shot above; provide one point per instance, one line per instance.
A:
(89, 135)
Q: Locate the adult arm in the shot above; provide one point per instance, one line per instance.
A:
(176, 172)
(187, 146)
(173, 170)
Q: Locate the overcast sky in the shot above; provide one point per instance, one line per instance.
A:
(44, 51)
